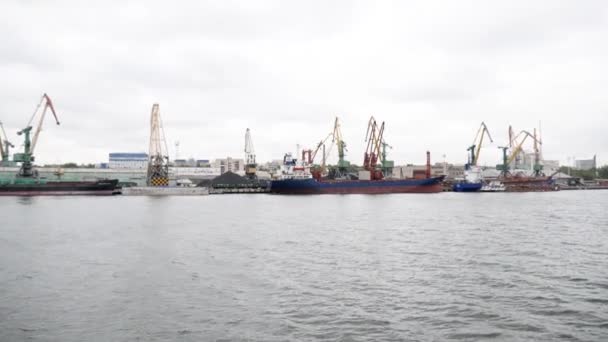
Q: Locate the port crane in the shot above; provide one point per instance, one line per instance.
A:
(321, 147)
(516, 146)
(387, 165)
(250, 164)
(475, 148)
(5, 146)
(27, 157)
(374, 138)
(325, 147)
(158, 158)
(337, 139)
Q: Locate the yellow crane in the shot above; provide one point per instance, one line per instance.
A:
(337, 139)
(518, 145)
(475, 148)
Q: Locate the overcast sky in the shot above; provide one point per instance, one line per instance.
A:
(433, 70)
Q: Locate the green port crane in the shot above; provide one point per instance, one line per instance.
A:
(337, 139)
(27, 157)
(5, 147)
(504, 167)
(387, 165)
(475, 148)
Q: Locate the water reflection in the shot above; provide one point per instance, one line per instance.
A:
(26, 200)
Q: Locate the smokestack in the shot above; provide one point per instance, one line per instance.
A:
(428, 164)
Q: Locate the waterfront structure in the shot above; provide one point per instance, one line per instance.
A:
(229, 164)
(412, 171)
(586, 164)
(128, 160)
(203, 163)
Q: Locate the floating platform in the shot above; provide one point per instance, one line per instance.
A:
(165, 191)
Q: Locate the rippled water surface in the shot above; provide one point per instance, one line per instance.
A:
(272, 268)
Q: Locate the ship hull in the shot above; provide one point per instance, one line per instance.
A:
(529, 184)
(314, 187)
(59, 188)
(467, 187)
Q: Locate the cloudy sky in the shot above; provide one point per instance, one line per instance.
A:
(432, 70)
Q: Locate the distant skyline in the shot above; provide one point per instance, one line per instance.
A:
(431, 70)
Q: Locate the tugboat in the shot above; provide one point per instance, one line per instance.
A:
(27, 182)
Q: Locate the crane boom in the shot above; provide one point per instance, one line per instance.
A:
(47, 104)
(27, 157)
(374, 138)
(475, 148)
(3, 139)
(518, 147)
(321, 146)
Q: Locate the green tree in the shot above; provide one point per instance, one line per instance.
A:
(603, 172)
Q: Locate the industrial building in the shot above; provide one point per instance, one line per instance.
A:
(128, 160)
(229, 164)
(586, 164)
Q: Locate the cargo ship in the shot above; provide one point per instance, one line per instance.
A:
(529, 184)
(467, 187)
(472, 181)
(383, 186)
(36, 187)
(295, 178)
(27, 181)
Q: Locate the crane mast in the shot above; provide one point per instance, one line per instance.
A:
(27, 157)
(250, 164)
(158, 158)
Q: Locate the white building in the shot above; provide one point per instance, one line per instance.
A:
(229, 164)
(127, 160)
(586, 164)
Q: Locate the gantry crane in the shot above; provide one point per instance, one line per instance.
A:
(475, 148)
(5, 147)
(158, 162)
(250, 164)
(374, 138)
(27, 157)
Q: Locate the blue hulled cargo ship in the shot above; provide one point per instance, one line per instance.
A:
(383, 186)
(467, 187)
